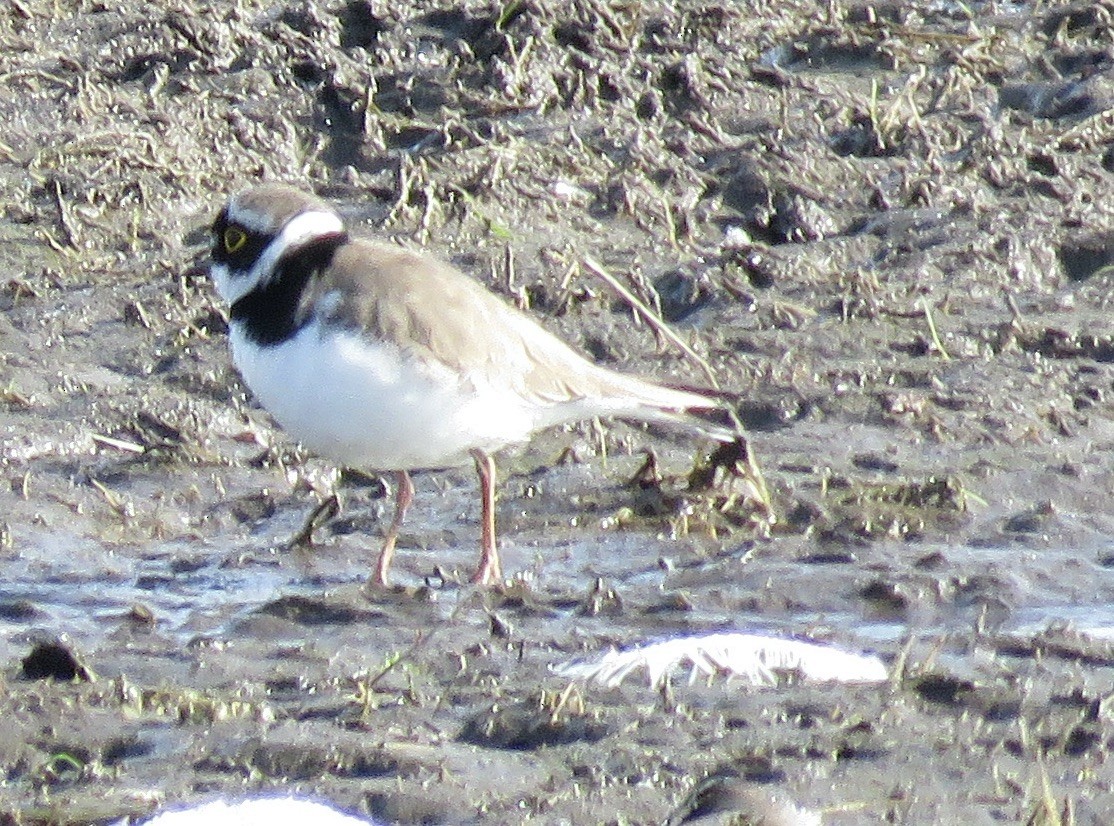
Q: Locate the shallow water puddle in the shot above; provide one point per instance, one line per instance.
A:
(58, 584)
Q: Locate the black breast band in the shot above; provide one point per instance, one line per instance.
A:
(269, 313)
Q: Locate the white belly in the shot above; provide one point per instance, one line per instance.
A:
(371, 406)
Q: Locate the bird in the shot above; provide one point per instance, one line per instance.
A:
(386, 359)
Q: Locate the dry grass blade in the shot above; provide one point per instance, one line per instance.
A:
(933, 333)
(118, 444)
(651, 318)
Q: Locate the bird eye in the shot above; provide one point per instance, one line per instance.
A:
(234, 239)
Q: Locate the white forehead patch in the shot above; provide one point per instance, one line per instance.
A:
(298, 230)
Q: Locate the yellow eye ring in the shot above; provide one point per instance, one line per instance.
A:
(234, 239)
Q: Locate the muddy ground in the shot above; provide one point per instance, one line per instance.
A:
(887, 227)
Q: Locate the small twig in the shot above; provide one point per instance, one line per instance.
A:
(405, 186)
(119, 444)
(64, 215)
(936, 342)
(875, 117)
(572, 690)
(421, 639)
(118, 503)
(651, 318)
(509, 11)
(670, 222)
(1015, 311)
(320, 515)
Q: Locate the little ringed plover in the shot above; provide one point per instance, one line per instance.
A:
(380, 358)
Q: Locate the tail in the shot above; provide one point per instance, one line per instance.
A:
(683, 408)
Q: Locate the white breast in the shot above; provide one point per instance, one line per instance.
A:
(372, 406)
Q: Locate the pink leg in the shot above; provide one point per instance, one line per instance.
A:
(490, 571)
(403, 497)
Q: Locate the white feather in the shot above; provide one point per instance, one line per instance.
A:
(263, 811)
(757, 659)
